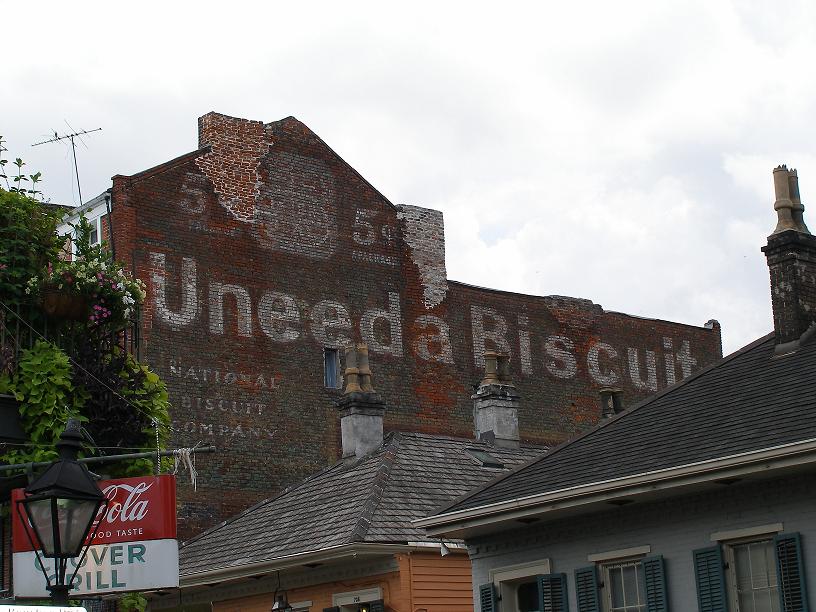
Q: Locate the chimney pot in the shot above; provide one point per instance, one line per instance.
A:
(788, 205)
(611, 401)
(491, 360)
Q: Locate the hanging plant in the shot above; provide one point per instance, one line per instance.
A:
(43, 385)
(91, 287)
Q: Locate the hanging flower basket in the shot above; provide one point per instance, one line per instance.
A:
(63, 304)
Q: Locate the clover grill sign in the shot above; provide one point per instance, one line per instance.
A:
(133, 544)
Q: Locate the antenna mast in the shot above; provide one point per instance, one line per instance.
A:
(71, 137)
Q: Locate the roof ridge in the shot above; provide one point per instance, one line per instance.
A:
(372, 502)
(606, 422)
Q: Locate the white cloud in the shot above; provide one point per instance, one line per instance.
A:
(620, 151)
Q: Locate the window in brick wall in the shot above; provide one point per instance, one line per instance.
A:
(331, 368)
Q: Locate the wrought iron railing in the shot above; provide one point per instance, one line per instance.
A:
(22, 325)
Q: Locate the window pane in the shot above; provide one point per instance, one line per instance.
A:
(759, 568)
(527, 596)
(755, 570)
(330, 367)
(616, 586)
(630, 590)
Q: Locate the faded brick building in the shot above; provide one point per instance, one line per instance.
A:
(264, 253)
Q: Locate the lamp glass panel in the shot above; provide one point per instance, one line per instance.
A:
(39, 513)
(75, 516)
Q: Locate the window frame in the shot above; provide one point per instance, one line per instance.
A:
(606, 580)
(507, 579)
(338, 374)
(728, 540)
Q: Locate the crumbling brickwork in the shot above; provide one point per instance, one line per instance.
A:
(263, 248)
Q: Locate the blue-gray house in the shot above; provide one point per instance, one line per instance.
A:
(702, 497)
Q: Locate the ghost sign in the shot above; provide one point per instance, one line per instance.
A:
(134, 547)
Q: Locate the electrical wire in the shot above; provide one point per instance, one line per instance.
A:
(40, 445)
(79, 366)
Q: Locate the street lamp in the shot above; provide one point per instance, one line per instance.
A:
(60, 507)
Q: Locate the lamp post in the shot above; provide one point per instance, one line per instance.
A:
(61, 506)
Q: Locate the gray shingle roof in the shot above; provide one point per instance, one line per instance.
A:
(748, 401)
(372, 500)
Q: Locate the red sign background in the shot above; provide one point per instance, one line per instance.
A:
(142, 508)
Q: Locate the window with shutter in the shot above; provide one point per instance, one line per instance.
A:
(790, 573)
(517, 586)
(708, 574)
(586, 589)
(552, 593)
(487, 598)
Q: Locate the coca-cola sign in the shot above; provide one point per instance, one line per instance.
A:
(142, 508)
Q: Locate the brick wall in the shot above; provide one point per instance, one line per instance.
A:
(263, 248)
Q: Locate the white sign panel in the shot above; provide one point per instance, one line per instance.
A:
(41, 609)
(107, 568)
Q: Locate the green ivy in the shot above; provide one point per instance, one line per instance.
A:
(133, 602)
(28, 242)
(43, 385)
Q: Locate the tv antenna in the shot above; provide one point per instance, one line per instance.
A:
(57, 138)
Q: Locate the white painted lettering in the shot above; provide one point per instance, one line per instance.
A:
(687, 362)
(243, 308)
(188, 310)
(610, 377)
(650, 384)
(559, 360)
(496, 334)
(328, 320)
(433, 344)
(279, 316)
(376, 340)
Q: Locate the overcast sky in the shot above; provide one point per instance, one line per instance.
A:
(615, 151)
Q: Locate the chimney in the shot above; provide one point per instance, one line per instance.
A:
(791, 254)
(496, 403)
(361, 409)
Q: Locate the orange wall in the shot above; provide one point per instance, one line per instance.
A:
(426, 581)
(321, 595)
(437, 583)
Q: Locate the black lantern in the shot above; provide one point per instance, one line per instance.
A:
(61, 506)
(281, 604)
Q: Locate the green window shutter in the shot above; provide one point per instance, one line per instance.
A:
(487, 598)
(790, 573)
(653, 574)
(552, 592)
(708, 573)
(586, 589)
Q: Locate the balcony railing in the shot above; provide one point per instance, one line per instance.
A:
(22, 325)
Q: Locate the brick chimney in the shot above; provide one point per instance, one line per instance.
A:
(496, 404)
(791, 254)
(361, 409)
